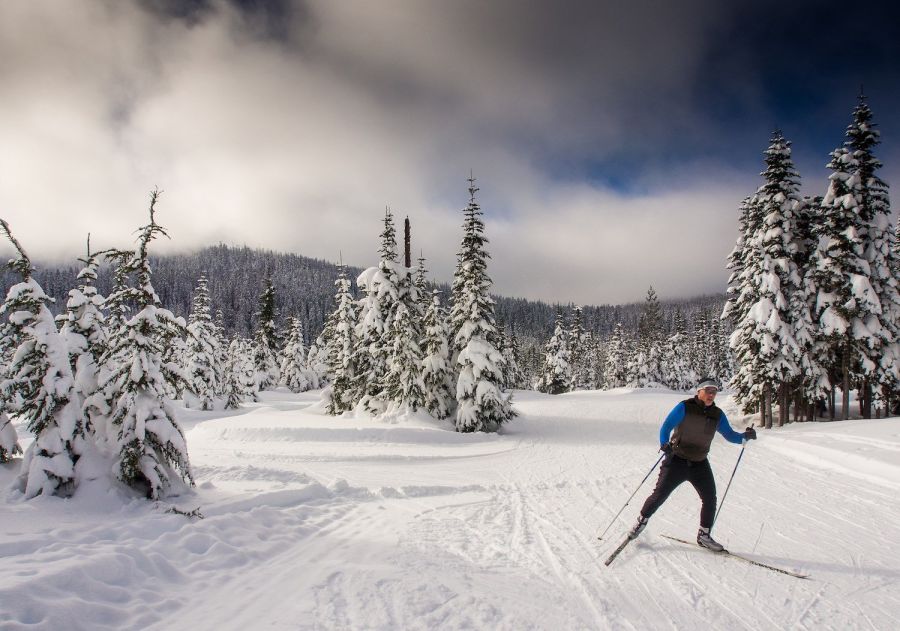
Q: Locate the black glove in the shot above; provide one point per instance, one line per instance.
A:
(666, 449)
(749, 434)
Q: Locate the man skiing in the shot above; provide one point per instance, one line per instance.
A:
(685, 437)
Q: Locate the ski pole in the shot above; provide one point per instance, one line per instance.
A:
(632, 495)
(725, 494)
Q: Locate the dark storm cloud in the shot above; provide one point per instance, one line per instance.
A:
(612, 141)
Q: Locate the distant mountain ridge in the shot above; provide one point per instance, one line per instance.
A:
(305, 288)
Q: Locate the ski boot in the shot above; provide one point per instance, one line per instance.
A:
(638, 527)
(704, 540)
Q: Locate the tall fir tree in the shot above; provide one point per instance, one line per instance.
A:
(438, 378)
(202, 353)
(83, 330)
(647, 362)
(381, 288)
(882, 348)
(556, 376)
(482, 405)
(848, 307)
(266, 338)
(580, 355)
(341, 348)
(233, 390)
(294, 373)
(39, 386)
(152, 449)
(617, 355)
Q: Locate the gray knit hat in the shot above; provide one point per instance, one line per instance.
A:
(709, 382)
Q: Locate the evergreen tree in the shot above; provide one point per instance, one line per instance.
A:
(437, 375)
(247, 366)
(82, 329)
(848, 307)
(403, 387)
(377, 307)
(294, 373)
(40, 387)
(617, 356)
(152, 450)
(341, 346)
(676, 363)
(772, 329)
(317, 359)
(881, 350)
(482, 405)
(223, 355)
(513, 360)
(266, 338)
(647, 363)
(234, 389)
(580, 357)
(556, 376)
(202, 352)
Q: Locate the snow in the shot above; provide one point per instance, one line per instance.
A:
(315, 522)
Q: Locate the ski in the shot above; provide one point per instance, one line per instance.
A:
(616, 552)
(742, 558)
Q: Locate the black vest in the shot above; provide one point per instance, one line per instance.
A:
(692, 438)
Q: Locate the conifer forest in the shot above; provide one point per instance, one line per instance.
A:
(94, 354)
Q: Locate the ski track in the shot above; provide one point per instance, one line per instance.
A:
(409, 528)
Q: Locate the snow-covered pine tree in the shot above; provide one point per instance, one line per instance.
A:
(39, 385)
(438, 377)
(9, 438)
(317, 359)
(152, 449)
(676, 362)
(381, 294)
(202, 352)
(266, 338)
(294, 373)
(341, 348)
(580, 357)
(482, 405)
(402, 383)
(403, 388)
(647, 369)
(233, 388)
(768, 328)
(515, 375)
(223, 355)
(249, 377)
(556, 376)
(848, 308)
(597, 361)
(421, 284)
(871, 193)
(617, 356)
(699, 342)
(82, 328)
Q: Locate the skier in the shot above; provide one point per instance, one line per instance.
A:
(692, 425)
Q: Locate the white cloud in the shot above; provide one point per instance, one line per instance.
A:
(298, 144)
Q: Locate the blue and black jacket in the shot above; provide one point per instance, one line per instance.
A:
(691, 426)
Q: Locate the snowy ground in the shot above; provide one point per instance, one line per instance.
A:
(320, 523)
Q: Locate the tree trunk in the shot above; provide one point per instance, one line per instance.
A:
(767, 406)
(832, 403)
(845, 372)
(867, 398)
(407, 243)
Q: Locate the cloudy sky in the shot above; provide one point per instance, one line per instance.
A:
(612, 141)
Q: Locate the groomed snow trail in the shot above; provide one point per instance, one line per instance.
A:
(313, 522)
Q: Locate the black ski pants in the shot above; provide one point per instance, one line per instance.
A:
(673, 472)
